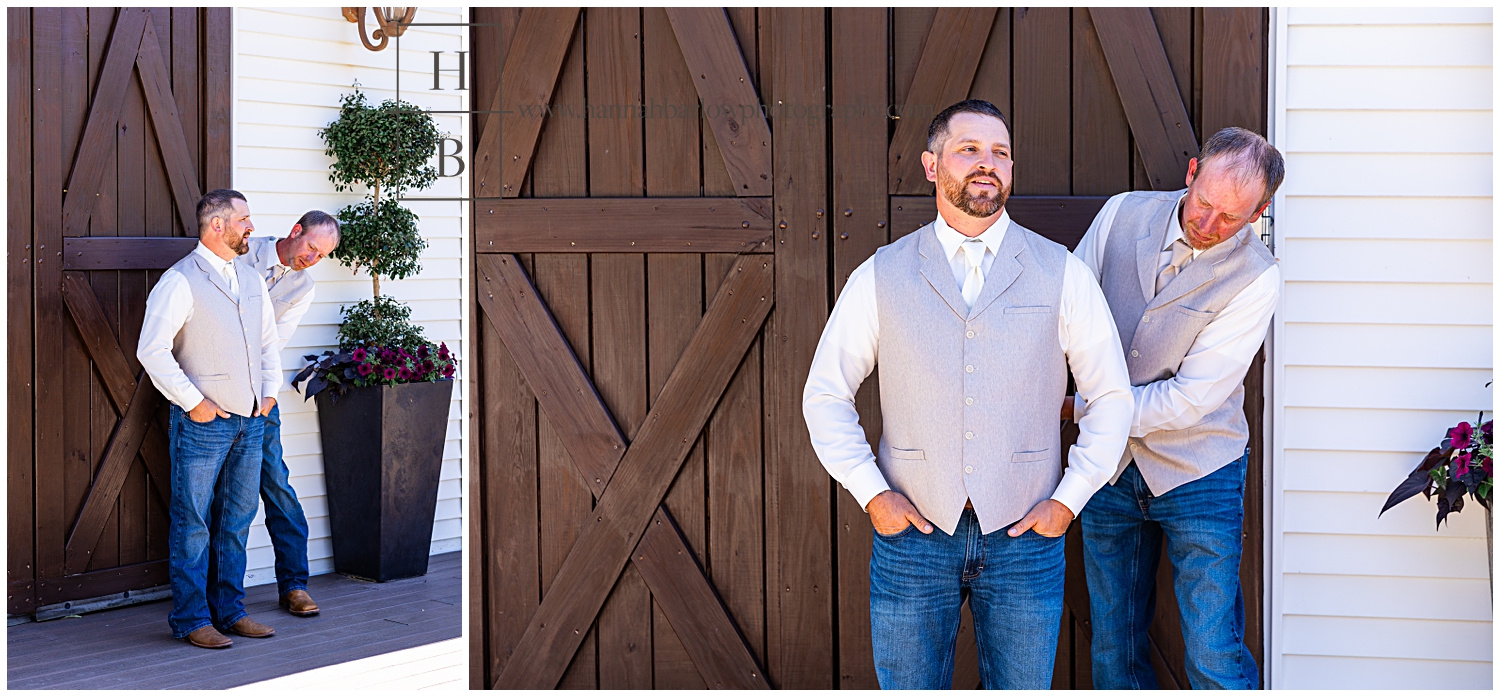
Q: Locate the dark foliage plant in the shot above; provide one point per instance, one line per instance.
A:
(380, 321)
(1461, 465)
(365, 367)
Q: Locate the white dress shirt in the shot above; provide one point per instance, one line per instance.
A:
(1218, 359)
(170, 305)
(849, 348)
(287, 323)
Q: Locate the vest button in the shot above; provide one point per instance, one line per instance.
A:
(970, 334)
(1135, 354)
(970, 401)
(968, 369)
(968, 470)
(968, 435)
(1146, 319)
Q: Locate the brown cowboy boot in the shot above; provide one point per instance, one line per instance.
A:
(209, 638)
(251, 628)
(299, 603)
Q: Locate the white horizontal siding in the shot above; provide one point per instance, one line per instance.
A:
(292, 65)
(1384, 227)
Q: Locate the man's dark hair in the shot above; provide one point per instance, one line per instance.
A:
(1247, 155)
(937, 131)
(218, 202)
(316, 218)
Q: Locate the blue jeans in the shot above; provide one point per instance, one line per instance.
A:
(215, 477)
(918, 584)
(284, 518)
(1123, 528)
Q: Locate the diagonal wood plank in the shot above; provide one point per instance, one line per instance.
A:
(689, 601)
(166, 121)
(643, 477)
(1148, 91)
(526, 82)
(99, 133)
(685, 597)
(544, 356)
(114, 372)
(118, 455)
(944, 75)
(727, 92)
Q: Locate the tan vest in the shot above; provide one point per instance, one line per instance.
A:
(219, 347)
(968, 398)
(286, 290)
(1157, 329)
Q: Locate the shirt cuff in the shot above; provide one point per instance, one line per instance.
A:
(865, 482)
(1073, 491)
(1080, 407)
(270, 389)
(193, 397)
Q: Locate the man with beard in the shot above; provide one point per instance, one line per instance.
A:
(283, 264)
(976, 322)
(1192, 291)
(209, 344)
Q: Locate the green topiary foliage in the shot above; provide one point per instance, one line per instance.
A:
(379, 322)
(381, 237)
(386, 149)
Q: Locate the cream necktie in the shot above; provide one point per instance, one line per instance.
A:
(232, 278)
(974, 279)
(1181, 255)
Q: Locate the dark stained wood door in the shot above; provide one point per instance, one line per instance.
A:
(597, 206)
(118, 120)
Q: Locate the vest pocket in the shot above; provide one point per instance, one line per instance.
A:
(1196, 314)
(899, 454)
(1027, 309)
(1030, 455)
(216, 376)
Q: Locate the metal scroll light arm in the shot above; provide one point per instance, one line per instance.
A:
(390, 21)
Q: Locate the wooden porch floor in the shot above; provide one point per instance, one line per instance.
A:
(132, 648)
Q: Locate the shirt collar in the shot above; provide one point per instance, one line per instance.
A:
(1174, 230)
(213, 259)
(952, 239)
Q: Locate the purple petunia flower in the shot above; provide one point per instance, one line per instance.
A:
(448, 372)
(1460, 435)
(423, 351)
(443, 351)
(1461, 464)
(405, 373)
(360, 354)
(390, 373)
(366, 369)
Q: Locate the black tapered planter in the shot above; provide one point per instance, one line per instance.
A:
(382, 454)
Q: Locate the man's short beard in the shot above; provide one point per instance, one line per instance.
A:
(236, 241)
(957, 193)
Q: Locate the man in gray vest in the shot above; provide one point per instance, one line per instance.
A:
(283, 263)
(976, 322)
(208, 342)
(1191, 289)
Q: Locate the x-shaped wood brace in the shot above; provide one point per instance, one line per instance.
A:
(630, 481)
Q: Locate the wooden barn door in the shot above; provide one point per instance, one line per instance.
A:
(649, 510)
(118, 120)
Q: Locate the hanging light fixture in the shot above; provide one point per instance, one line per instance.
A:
(390, 21)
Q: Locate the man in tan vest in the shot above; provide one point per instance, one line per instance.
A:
(976, 323)
(283, 263)
(1191, 289)
(209, 342)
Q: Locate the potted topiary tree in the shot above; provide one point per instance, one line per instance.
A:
(383, 396)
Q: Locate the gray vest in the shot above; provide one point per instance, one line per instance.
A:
(968, 398)
(1157, 329)
(219, 347)
(285, 291)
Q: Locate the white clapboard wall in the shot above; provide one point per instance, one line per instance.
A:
(291, 65)
(1383, 341)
